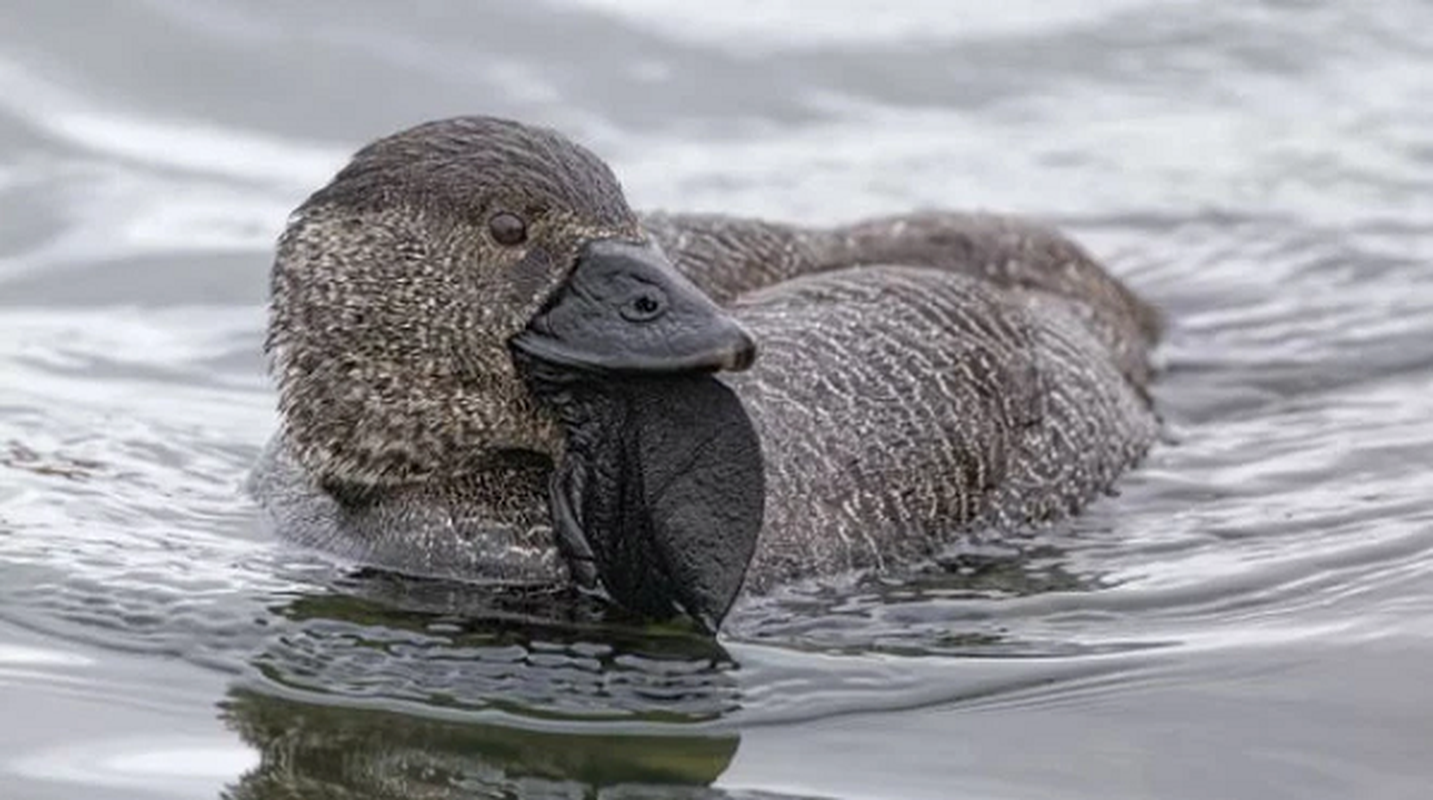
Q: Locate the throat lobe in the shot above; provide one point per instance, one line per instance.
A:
(660, 493)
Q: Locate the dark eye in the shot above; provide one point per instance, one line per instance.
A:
(507, 229)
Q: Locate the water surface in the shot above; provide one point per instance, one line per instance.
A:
(1251, 616)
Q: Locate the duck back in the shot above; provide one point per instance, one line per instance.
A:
(1001, 384)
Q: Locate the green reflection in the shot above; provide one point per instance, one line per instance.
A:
(397, 681)
(317, 751)
(532, 653)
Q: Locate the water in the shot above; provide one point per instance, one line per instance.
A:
(1251, 617)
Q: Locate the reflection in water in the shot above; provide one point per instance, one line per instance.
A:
(546, 653)
(538, 657)
(316, 751)
(439, 690)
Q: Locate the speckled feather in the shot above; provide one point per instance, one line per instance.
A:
(922, 375)
(919, 375)
(392, 306)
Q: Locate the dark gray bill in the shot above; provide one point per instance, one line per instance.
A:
(626, 309)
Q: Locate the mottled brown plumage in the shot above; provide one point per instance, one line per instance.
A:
(918, 375)
(392, 304)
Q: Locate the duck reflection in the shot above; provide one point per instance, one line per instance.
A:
(382, 686)
(321, 751)
(419, 670)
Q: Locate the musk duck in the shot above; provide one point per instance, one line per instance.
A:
(490, 368)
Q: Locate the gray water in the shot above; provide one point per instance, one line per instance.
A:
(1252, 616)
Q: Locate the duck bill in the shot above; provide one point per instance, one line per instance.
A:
(625, 308)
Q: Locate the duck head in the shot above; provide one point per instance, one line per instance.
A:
(416, 296)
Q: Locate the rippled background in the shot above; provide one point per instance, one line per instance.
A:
(1251, 617)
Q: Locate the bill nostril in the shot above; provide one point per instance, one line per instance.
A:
(644, 305)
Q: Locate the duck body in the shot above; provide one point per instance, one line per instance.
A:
(917, 377)
(924, 375)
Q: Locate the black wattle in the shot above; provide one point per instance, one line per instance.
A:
(663, 481)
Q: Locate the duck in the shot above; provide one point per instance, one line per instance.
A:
(490, 368)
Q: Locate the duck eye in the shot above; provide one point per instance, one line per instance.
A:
(507, 229)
